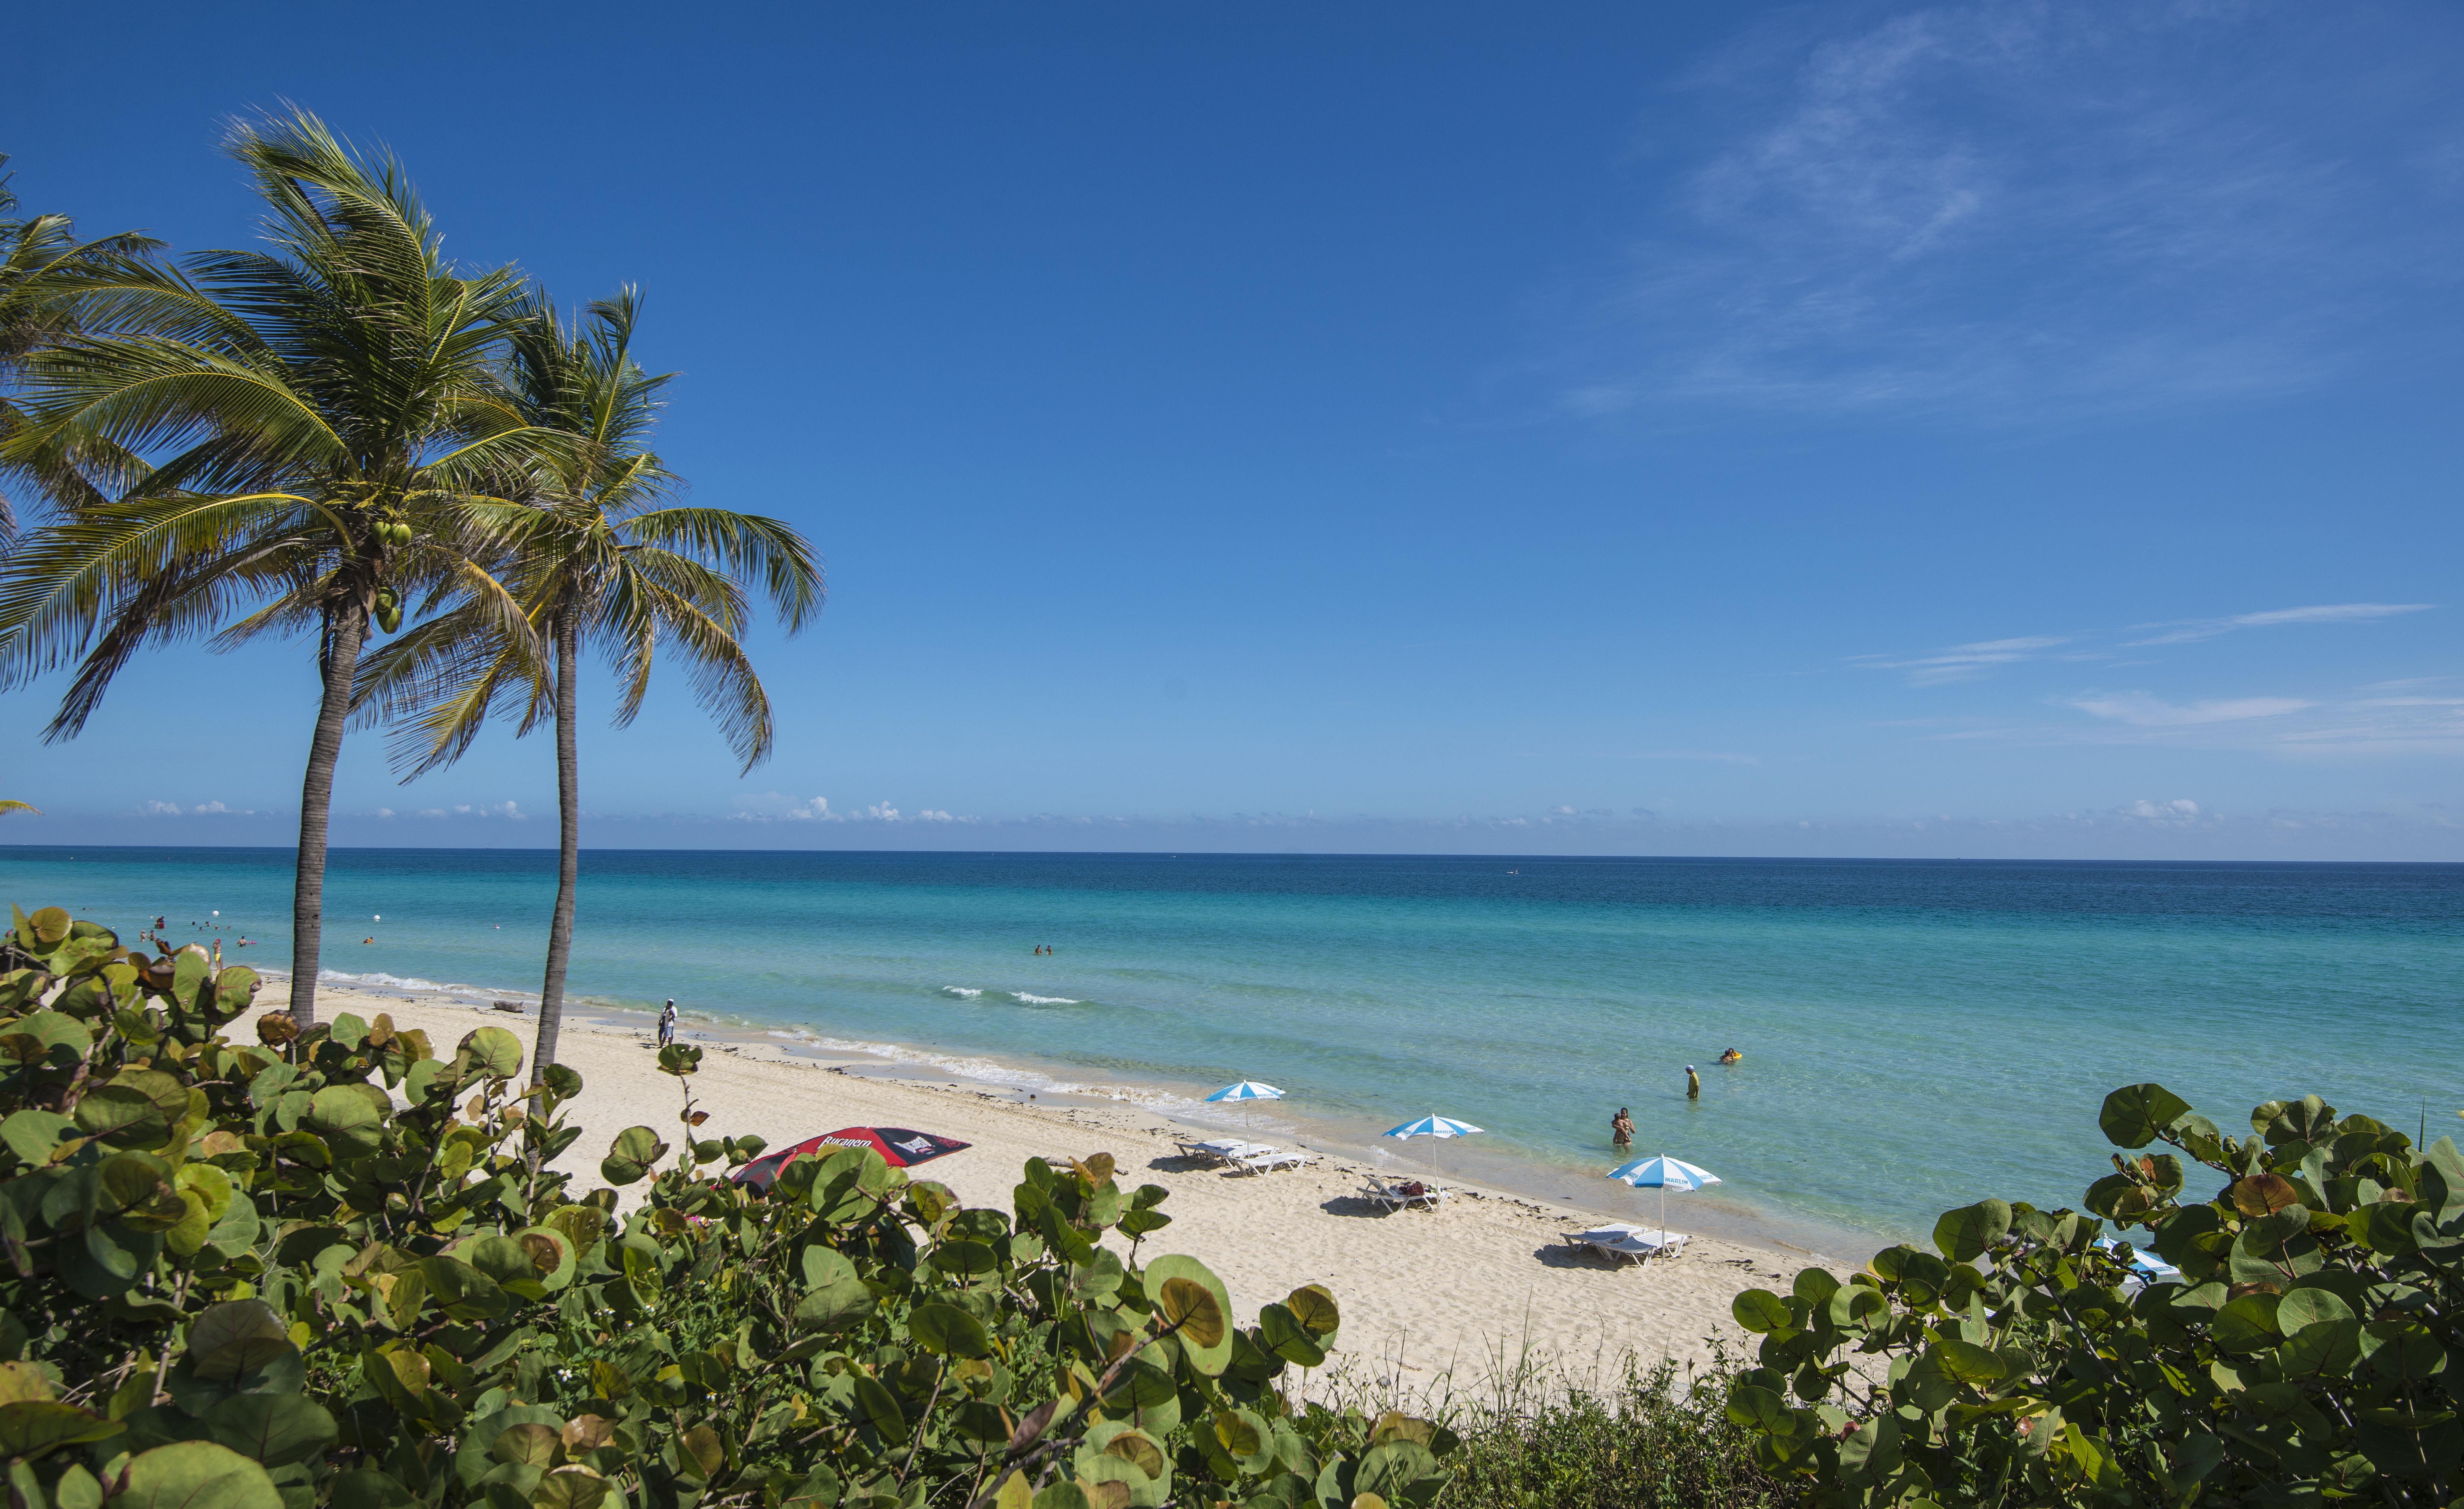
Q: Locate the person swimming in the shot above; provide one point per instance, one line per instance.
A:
(1732, 1056)
(1693, 1083)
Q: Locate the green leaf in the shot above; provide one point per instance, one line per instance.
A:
(1760, 1311)
(1968, 1363)
(2247, 1325)
(632, 1154)
(351, 1125)
(494, 1052)
(1314, 1307)
(1206, 1339)
(29, 1428)
(2134, 1114)
(946, 1331)
(236, 1338)
(460, 1290)
(365, 1488)
(124, 1115)
(2321, 1349)
(1970, 1232)
(836, 1295)
(2307, 1305)
(33, 1134)
(271, 1428)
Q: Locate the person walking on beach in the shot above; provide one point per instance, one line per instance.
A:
(668, 1023)
(1621, 1129)
(1693, 1083)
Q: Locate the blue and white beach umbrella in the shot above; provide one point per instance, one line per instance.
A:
(1247, 1090)
(1663, 1174)
(1433, 1127)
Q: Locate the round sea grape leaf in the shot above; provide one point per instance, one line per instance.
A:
(196, 1476)
(946, 1330)
(33, 1135)
(2247, 1325)
(582, 1224)
(494, 1052)
(460, 1290)
(365, 1488)
(236, 1338)
(125, 1116)
(2307, 1305)
(632, 1154)
(1206, 1331)
(2321, 1349)
(272, 1428)
(1968, 1363)
(1389, 1471)
(2135, 1113)
(1968, 1233)
(1281, 1333)
(342, 1115)
(1760, 1311)
(551, 1253)
(1313, 1305)
(965, 1259)
(32, 1427)
(572, 1486)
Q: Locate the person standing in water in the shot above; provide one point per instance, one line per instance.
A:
(1693, 1083)
(1621, 1129)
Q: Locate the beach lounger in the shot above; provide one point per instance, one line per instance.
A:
(1403, 1196)
(1267, 1160)
(1619, 1242)
(1224, 1151)
(2146, 1268)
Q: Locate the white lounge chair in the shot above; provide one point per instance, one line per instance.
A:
(1619, 1242)
(1393, 1197)
(1267, 1160)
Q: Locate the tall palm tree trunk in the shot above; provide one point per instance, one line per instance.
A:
(568, 848)
(345, 629)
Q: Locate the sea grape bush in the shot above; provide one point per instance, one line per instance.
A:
(2308, 1353)
(337, 1267)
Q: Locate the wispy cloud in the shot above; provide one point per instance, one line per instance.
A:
(2184, 631)
(1964, 662)
(2142, 711)
(1972, 662)
(2022, 210)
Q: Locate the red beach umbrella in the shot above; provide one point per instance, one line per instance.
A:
(899, 1146)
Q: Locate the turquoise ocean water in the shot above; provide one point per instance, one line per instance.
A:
(1917, 1034)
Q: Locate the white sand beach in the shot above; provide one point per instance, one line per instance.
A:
(1424, 1294)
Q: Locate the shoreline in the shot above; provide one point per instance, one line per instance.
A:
(1506, 1174)
(1431, 1299)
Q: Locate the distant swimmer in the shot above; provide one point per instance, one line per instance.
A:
(367, 940)
(1732, 1056)
(1693, 1083)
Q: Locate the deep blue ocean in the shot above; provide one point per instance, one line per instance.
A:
(1917, 1034)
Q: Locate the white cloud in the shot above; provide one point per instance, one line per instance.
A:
(2028, 210)
(161, 809)
(1964, 662)
(2142, 710)
(2185, 631)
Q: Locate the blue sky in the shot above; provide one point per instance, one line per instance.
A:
(1971, 429)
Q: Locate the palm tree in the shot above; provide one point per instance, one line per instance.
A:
(52, 287)
(592, 546)
(319, 418)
